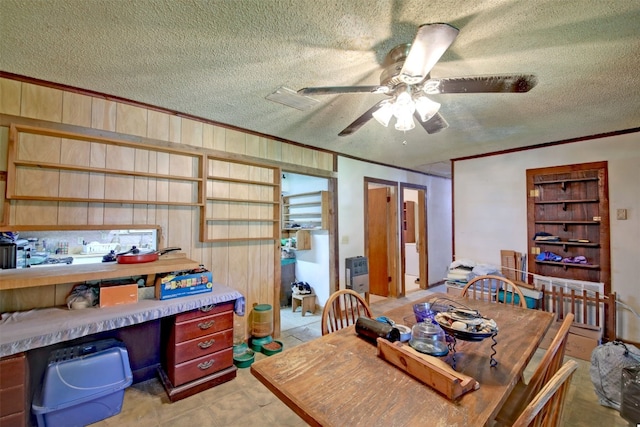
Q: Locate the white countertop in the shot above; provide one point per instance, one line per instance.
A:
(26, 330)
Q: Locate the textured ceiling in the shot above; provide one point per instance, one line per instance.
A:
(219, 60)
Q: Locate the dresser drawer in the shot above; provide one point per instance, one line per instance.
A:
(197, 368)
(13, 420)
(207, 310)
(202, 326)
(12, 400)
(13, 376)
(12, 371)
(201, 346)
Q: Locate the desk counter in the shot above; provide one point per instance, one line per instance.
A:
(26, 330)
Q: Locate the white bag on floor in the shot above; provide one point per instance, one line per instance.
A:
(607, 362)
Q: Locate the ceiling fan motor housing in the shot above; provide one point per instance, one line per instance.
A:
(392, 64)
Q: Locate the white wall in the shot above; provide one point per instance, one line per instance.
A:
(312, 266)
(351, 174)
(491, 209)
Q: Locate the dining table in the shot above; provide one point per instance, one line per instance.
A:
(339, 379)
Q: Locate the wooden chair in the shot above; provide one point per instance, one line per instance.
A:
(545, 410)
(343, 309)
(551, 361)
(488, 288)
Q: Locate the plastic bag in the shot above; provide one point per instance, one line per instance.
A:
(630, 408)
(82, 296)
(607, 362)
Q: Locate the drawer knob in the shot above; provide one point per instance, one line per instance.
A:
(206, 344)
(206, 365)
(206, 325)
(207, 308)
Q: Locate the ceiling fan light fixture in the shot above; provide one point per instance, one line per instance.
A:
(405, 123)
(404, 105)
(403, 109)
(426, 108)
(383, 114)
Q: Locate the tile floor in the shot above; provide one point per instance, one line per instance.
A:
(245, 401)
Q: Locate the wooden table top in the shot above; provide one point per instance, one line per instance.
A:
(339, 380)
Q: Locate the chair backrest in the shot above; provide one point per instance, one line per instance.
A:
(545, 410)
(495, 289)
(551, 360)
(343, 309)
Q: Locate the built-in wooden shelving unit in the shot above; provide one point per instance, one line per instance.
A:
(571, 204)
(242, 201)
(64, 172)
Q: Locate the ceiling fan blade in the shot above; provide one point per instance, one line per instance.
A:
(516, 83)
(332, 90)
(431, 42)
(434, 125)
(360, 121)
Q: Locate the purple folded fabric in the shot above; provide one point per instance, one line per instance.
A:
(575, 260)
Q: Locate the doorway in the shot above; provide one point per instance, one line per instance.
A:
(381, 236)
(307, 246)
(414, 248)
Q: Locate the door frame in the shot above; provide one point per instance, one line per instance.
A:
(393, 220)
(422, 242)
(334, 254)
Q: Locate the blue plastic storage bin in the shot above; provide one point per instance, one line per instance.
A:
(531, 303)
(83, 384)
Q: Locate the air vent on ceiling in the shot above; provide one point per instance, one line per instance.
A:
(291, 98)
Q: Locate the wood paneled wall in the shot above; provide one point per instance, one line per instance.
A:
(249, 267)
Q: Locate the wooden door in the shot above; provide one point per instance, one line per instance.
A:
(378, 232)
(423, 258)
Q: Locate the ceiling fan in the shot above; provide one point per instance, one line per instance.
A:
(406, 79)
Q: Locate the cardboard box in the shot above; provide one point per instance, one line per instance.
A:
(581, 340)
(454, 290)
(118, 295)
(181, 285)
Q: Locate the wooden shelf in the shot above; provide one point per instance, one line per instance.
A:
(565, 203)
(103, 200)
(301, 205)
(563, 182)
(553, 202)
(237, 202)
(241, 220)
(53, 275)
(303, 215)
(240, 239)
(45, 166)
(566, 265)
(569, 222)
(231, 200)
(310, 209)
(565, 224)
(60, 166)
(568, 244)
(560, 181)
(242, 181)
(300, 229)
